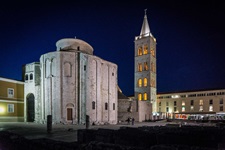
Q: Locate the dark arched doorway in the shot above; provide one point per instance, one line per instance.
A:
(30, 107)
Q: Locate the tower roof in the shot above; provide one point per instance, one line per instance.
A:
(145, 30)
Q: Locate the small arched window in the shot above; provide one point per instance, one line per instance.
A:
(93, 104)
(145, 49)
(139, 96)
(140, 67)
(106, 106)
(153, 52)
(139, 82)
(145, 95)
(140, 51)
(31, 76)
(145, 66)
(145, 82)
(26, 77)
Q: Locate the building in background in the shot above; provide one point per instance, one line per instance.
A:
(11, 100)
(193, 105)
(69, 84)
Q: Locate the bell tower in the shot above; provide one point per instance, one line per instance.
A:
(145, 72)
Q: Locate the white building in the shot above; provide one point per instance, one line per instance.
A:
(69, 84)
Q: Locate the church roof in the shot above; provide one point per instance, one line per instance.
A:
(145, 30)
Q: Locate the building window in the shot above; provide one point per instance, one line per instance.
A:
(183, 103)
(139, 82)
(221, 101)
(145, 96)
(84, 67)
(183, 109)
(210, 108)
(221, 108)
(10, 108)
(159, 103)
(145, 66)
(93, 104)
(210, 101)
(31, 76)
(145, 49)
(201, 108)
(167, 109)
(139, 97)
(113, 74)
(140, 67)
(167, 103)
(114, 106)
(192, 108)
(139, 51)
(192, 102)
(153, 52)
(201, 102)
(175, 103)
(10, 92)
(26, 77)
(145, 82)
(106, 106)
(175, 109)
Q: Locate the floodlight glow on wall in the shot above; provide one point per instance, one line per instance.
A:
(2, 109)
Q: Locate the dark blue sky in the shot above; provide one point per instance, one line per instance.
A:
(190, 37)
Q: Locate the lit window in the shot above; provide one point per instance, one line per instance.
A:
(145, 66)
(10, 92)
(183, 103)
(201, 108)
(210, 108)
(145, 82)
(140, 67)
(201, 102)
(145, 96)
(139, 51)
(192, 108)
(152, 52)
(145, 49)
(10, 108)
(139, 97)
(139, 82)
(183, 108)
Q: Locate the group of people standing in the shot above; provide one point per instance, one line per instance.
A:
(130, 120)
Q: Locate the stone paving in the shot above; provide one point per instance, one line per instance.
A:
(60, 132)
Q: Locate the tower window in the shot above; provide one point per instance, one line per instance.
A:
(145, 66)
(106, 106)
(31, 76)
(114, 106)
(145, 49)
(145, 96)
(139, 82)
(140, 51)
(145, 82)
(140, 97)
(93, 104)
(140, 67)
(26, 77)
(84, 67)
(153, 52)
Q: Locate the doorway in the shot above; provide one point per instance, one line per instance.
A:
(30, 108)
(69, 114)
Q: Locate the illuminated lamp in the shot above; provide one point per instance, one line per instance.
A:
(2, 110)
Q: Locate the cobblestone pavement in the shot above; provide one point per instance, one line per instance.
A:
(60, 132)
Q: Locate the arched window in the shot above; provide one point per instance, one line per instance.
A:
(153, 52)
(140, 97)
(67, 69)
(140, 51)
(145, 82)
(145, 49)
(139, 82)
(31, 76)
(53, 67)
(145, 95)
(26, 77)
(106, 106)
(140, 67)
(145, 66)
(93, 104)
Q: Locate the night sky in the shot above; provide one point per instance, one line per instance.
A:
(190, 37)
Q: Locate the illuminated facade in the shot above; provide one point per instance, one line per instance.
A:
(69, 84)
(205, 104)
(145, 73)
(11, 100)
